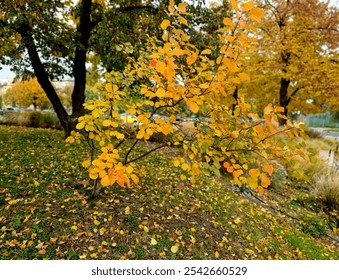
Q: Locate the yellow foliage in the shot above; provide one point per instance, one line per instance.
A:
(180, 76)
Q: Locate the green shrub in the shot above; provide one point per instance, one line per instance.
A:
(313, 226)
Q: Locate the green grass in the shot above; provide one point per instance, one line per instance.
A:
(46, 211)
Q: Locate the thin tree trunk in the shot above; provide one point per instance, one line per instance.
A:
(79, 67)
(235, 97)
(284, 99)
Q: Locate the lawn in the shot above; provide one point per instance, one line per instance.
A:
(47, 212)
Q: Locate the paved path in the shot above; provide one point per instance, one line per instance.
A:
(326, 132)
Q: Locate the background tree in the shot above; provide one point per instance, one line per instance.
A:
(27, 93)
(296, 60)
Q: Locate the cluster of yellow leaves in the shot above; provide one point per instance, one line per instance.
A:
(180, 75)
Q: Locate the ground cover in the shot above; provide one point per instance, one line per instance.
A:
(47, 213)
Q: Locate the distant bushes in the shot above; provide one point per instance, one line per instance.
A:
(31, 119)
(313, 134)
(327, 189)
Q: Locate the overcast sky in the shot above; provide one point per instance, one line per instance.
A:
(5, 72)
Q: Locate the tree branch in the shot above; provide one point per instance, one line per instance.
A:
(145, 154)
(138, 8)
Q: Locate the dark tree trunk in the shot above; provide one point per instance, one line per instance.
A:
(235, 97)
(43, 79)
(79, 67)
(284, 99)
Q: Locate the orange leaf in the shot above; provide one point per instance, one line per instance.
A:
(165, 23)
(153, 63)
(254, 173)
(237, 173)
(265, 181)
(228, 167)
(268, 168)
(190, 60)
(234, 4)
(247, 6)
(261, 190)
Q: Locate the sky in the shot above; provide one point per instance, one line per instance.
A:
(5, 72)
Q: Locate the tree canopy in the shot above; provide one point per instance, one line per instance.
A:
(296, 58)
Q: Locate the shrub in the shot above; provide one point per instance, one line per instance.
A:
(313, 134)
(31, 119)
(313, 226)
(327, 188)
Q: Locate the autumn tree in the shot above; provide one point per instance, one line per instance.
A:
(26, 93)
(235, 141)
(297, 59)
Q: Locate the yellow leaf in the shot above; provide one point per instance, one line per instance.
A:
(109, 87)
(42, 252)
(244, 76)
(235, 134)
(207, 51)
(106, 123)
(105, 181)
(234, 4)
(93, 255)
(252, 182)
(174, 249)
(265, 181)
(96, 222)
(160, 92)
(216, 254)
(247, 6)
(228, 22)
(176, 162)
(237, 220)
(182, 20)
(182, 7)
(193, 106)
(12, 201)
(249, 251)
(190, 60)
(80, 125)
(146, 229)
(153, 242)
(268, 109)
(86, 163)
(135, 178)
(129, 169)
(74, 227)
(183, 177)
(140, 134)
(256, 14)
(127, 210)
(165, 23)
(185, 166)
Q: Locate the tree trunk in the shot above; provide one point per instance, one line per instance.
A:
(235, 97)
(284, 99)
(43, 79)
(79, 67)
